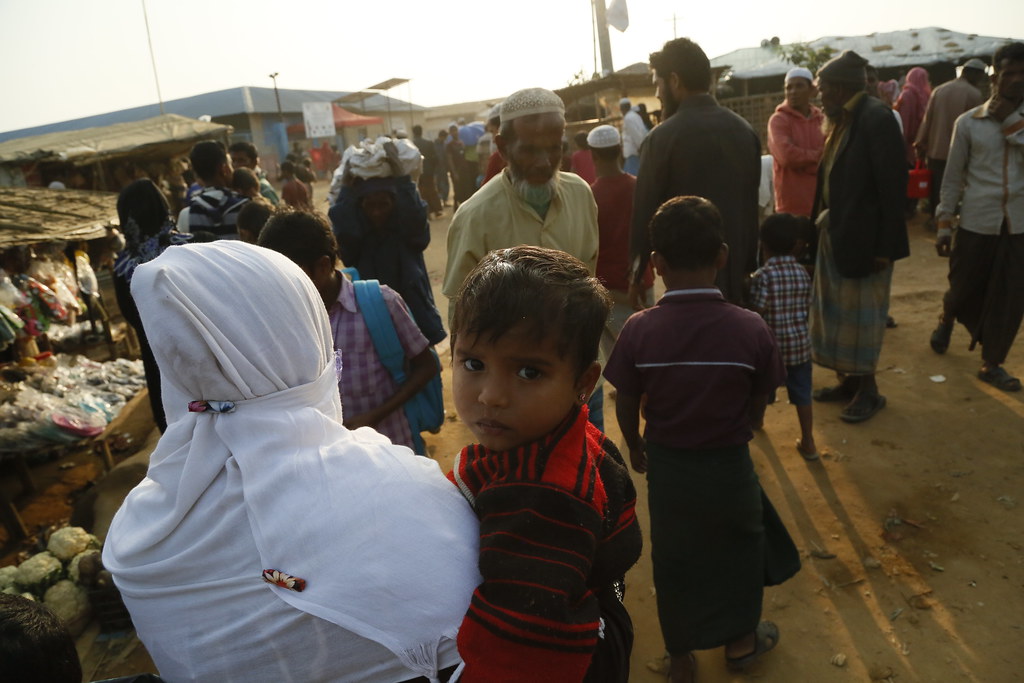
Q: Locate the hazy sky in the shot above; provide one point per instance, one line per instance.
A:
(64, 59)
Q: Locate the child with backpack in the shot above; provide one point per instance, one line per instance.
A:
(555, 501)
(370, 397)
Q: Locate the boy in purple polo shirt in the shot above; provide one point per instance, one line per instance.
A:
(781, 292)
(704, 367)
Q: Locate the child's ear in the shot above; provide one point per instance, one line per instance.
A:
(658, 261)
(588, 379)
(723, 256)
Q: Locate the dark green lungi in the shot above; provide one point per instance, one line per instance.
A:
(716, 542)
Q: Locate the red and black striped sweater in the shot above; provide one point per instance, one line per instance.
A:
(557, 527)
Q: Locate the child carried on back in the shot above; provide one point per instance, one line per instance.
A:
(554, 499)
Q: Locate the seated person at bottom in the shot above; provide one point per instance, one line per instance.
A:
(369, 395)
(703, 366)
(552, 493)
(35, 646)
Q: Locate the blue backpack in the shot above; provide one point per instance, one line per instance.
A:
(425, 410)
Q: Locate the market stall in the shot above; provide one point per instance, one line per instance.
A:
(53, 395)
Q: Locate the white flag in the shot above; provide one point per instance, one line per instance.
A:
(618, 15)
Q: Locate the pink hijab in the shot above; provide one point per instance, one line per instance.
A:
(912, 104)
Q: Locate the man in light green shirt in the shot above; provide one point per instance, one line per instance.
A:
(531, 201)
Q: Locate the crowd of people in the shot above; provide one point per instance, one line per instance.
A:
(285, 509)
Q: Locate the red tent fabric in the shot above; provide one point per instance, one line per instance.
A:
(343, 118)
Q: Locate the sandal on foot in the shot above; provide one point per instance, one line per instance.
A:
(864, 407)
(808, 456)
(940, 337)
(999, 378)
(766, 637)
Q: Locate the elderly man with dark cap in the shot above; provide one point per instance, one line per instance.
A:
(858, 207)
(947, 102)
(532, 201)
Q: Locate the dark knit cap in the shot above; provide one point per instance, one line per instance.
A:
(847, 68)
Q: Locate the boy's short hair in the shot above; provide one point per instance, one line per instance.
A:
(206, 157)
(781, 231)
(246, 148)
(244, 179)
(254, 215)
(302, 236)
(687, 232)
(548, 290)
(35, 646)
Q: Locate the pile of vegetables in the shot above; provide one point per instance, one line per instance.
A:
(61, 576)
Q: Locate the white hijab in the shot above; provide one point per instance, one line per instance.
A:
(386, 545)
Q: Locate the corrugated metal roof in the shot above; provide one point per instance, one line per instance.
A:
(912, 47)
(221, 103)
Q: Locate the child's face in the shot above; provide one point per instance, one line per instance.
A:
(515, 390)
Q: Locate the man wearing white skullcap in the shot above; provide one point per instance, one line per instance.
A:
(613, 192)
(531, 201)
(633, 133)
(795, 140)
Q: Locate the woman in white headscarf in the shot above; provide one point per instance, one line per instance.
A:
(268, 542)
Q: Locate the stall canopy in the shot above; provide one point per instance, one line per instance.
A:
(343, 118)
(160, 137)
(33, 214)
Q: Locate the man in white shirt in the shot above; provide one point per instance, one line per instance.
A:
(633, 133)
(985, 172)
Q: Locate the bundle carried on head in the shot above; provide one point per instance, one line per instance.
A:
(369, 159)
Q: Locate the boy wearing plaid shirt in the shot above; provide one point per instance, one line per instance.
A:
(781, 293)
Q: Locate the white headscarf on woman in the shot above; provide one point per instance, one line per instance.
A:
(387, 547)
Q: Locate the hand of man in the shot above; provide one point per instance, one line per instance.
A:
(393, 161)
(881, 263)
(636, 296)
(638, 458)
(919, 151)
(944, 240)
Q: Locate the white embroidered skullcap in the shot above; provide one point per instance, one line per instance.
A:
(625, 100)
(799, 72)
(529, 102)
(604, 136)
(975, 63)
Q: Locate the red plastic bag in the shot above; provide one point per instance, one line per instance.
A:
(919, 182)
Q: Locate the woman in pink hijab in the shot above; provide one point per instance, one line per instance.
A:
(911, 105)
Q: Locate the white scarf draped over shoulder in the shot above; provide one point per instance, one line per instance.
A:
(386, 546)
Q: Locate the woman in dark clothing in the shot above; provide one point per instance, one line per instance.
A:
(148, 229)
(382, 230)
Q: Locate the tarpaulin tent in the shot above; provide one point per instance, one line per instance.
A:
(33, 214)
(157, 138)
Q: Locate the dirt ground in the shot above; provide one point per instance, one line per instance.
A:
(910, 525)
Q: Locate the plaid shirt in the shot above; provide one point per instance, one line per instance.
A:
(781, 292)
(364, 382)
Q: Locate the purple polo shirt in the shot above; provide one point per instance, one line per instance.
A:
(698, 359)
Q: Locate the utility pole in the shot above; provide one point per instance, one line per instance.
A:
(152, 58)
(601, 19)
(277, 96)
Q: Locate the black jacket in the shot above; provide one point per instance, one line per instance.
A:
(867, 191)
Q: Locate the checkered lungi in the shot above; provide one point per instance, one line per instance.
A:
(847, 315)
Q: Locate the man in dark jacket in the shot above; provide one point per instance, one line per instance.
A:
(700, 149)
(858, 206)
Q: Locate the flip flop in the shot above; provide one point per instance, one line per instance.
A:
(999, 378)
(863, 408)
(809, 457)
(766, 637)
